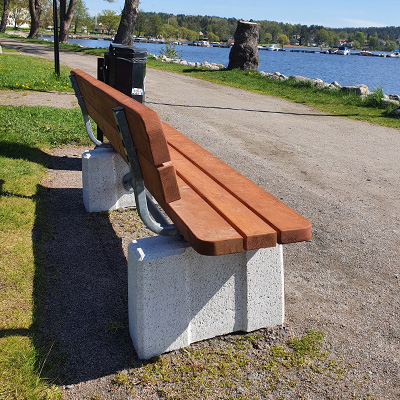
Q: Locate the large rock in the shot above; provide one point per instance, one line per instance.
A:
(244, 53)
(359, 90)
(298, 78)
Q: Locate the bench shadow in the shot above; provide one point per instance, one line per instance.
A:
(249, 110)
(80, 288)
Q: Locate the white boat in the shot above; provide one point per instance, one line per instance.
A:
(204, 43)
(395, 54)
(272, 47)
(343, 51)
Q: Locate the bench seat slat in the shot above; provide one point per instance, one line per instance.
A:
(206, 231)
(290, 226)
(256, 233)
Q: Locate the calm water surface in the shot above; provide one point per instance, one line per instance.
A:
(347, 70)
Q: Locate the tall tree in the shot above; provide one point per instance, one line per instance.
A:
(35, 9)
(19, 13)
(109, 19)
(6, 11)
(66, 15)
(81, 15)
(126, 27)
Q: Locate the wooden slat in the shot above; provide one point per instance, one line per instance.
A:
(145, 124)
(290, 226)
(255, 232)
(161, 181)
(146, 131)
(206, 231)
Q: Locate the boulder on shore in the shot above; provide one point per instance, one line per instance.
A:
(359, 90)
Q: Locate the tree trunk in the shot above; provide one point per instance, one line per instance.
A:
(35, 9)
(126, 27)
(66, 19)
(6, 11)
(244, 53)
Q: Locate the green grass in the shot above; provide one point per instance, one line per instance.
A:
(19, 72)
(25, 134)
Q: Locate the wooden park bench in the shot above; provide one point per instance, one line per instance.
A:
(216, 209)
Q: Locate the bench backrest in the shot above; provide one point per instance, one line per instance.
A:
(146, 131)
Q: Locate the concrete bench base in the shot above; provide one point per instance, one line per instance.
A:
(177, 296)
(102, 173)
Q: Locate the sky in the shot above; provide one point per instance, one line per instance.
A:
(333, 14)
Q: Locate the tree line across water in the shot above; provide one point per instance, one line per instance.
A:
(215, 29)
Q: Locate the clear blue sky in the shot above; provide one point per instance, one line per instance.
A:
(334, 13)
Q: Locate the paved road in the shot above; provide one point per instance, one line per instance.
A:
(341, 174)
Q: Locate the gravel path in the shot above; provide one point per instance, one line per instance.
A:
(341, 174)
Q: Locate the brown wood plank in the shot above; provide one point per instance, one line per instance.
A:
(145, 125)
(255, 232)
(202, 227)
(146, 131)
(160, 181)
(290, 226)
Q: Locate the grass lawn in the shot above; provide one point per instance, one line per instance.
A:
(25, 135)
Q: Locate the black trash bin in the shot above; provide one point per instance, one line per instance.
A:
(124, 69)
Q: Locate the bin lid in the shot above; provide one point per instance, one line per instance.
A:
(123, 50)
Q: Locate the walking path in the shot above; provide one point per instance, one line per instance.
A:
(340, 174)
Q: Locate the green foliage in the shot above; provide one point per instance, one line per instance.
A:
(169, 50)
(374, 99)
(110, 20)
(283, 40)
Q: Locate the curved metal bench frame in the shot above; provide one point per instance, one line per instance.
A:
(147, 209)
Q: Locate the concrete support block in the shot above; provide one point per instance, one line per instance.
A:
(102, 173)
(177, 296)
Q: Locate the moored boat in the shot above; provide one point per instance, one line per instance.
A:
(365, 53)
(343, 51)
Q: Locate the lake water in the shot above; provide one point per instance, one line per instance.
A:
(347, 70)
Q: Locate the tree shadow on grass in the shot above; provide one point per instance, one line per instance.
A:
(19, 151)
(80, 288)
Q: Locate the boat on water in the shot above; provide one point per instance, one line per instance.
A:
(343, 51)
(200, 43)
(272, 47)
(395, 54)
(366, 53)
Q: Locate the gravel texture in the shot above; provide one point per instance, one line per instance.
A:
(340, 174)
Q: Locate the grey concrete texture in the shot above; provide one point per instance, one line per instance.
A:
(177, 296)
(103, 171)
(342, 175)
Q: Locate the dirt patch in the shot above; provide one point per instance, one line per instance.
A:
(31, 98)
